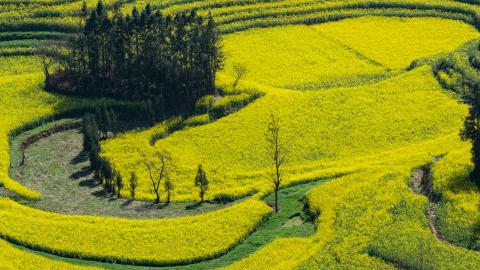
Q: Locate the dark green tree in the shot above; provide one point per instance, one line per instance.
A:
(201, 182)
(84, 12)
(105, 118)
(118, 183)
(108, 175)
(133, 184)
(471, 130)
(169, 188)
(171, 61)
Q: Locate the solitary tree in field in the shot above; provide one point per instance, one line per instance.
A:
(47, 62)
(133, 185)
(169, 187)
(158, 171)
(108, 175)
(239, 72)
(201, 182)
(471, 130)
(118, 183)
(277, 152)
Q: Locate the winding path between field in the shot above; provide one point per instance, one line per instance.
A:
(422, 184)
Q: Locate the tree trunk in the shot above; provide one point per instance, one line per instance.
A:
(157, 200)
(276, 198)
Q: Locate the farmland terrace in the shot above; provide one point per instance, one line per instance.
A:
(367, 92)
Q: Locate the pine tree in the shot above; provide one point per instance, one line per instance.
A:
(171, 61)
(84, 12)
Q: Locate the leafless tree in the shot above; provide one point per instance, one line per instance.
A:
(277, 152)
(158, 170)
(47, 62)
(239, 71)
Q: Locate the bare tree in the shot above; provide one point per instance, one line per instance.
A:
(47, 62)
(239, 71)
(277, 152)
(158, 170)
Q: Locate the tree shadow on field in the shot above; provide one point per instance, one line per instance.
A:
(84, 172)
(80, 158)
(147, 206)
(91, 183)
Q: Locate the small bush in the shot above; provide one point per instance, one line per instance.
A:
(204, 104)
(475, 61)
(197, 120)
(230, 104)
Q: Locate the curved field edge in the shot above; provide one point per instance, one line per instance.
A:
(13, 185)
(13, 258)
(275, 226)
(195, 238)
(369, 220)
(317, 151)
(66, 183)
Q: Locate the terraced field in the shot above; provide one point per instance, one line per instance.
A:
(360, 93)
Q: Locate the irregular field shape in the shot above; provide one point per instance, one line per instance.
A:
(292, 55)
(331, 125)
(12, 258)
(396, 42)
(157, 242)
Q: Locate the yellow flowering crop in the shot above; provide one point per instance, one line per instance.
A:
(322, 127)
(13, 259)
(152, 242)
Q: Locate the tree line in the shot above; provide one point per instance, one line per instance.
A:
(160, 166)
(96, 127)
(169, 61)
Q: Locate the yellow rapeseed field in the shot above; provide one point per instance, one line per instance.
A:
(150, 242)
(360, 112)
(13, 259)
(323, 127)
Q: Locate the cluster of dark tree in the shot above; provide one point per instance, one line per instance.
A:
(169, 61)
(471, 130)
(95, 128)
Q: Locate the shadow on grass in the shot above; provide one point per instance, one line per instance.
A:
(84, 172)
(80, 158)
(91, 183)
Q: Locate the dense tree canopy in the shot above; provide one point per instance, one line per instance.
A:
(170, 61)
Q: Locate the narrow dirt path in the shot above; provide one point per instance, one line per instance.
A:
(422, 183)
